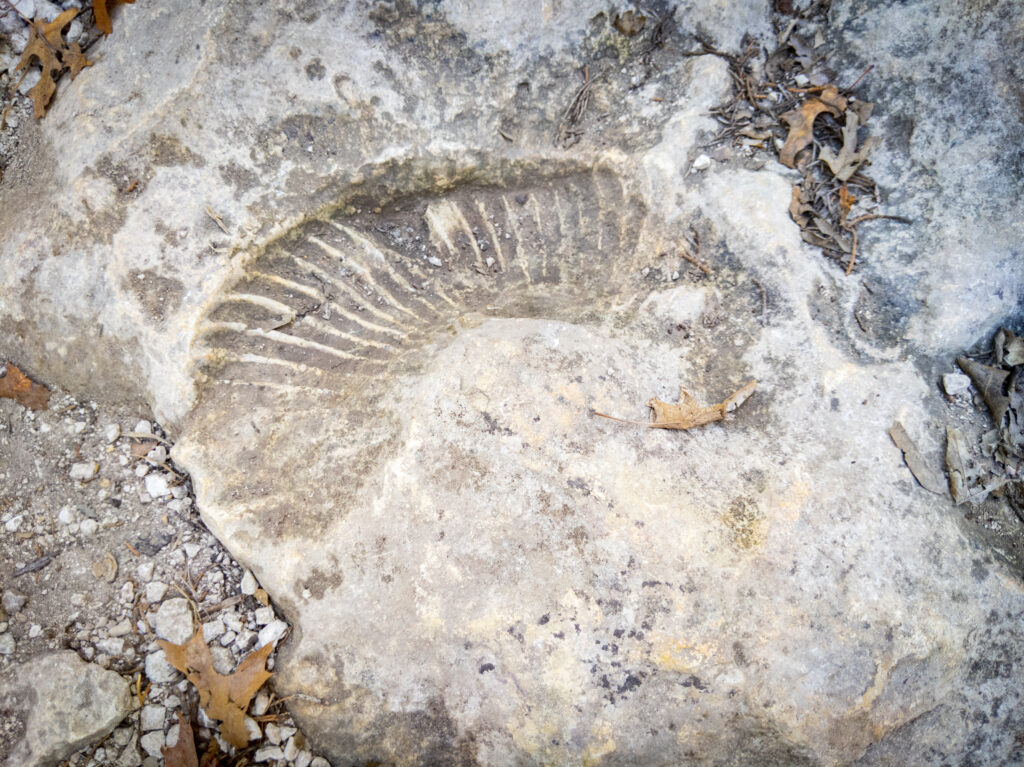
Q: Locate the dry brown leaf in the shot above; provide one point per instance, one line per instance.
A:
(923, 473)
(101, 10)
(801, 122)
(849, 159)
(990, 382)
(846, 202)
(17, 386)
(46, 43)
(225, 698)
(182, 753)
(688, 412)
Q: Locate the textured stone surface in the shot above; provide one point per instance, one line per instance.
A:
(383, 372)
(55, 705)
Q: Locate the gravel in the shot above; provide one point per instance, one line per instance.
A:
(101, 552)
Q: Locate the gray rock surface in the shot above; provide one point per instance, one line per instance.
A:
(383, 322)
(54, 705)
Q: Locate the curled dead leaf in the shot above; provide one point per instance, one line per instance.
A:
(183, 753)
(688, 413)
(801, 122)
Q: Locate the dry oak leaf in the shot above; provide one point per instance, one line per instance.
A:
(101, 11)
(46, 43)
(225, 698)
(801, 122)
(17, 386)
(182, 753)
(688, 412)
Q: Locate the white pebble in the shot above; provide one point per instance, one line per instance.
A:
(268, 753)
(84, 470)
(142, 470)
(158, 669)
(146, 571)
(14, 523)
(212, 629)
(89, 527)
(955, 383)
(34, 630)
(272, 632)
(248, 585)
(113, 646)
(261, 703)
(192, 550)
(703, 162)
(66, 515)
(157, 455)
(121, 629)
(264, 615)
(143, 427)
(291, 750)
(434, 261)
(152, 743)
(111, 432)
(157, 486)
(273, 733)
(174, 621)
(6, 644)
(319, 761)
(151, 718)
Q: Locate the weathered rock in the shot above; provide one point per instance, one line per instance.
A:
(56, 704)
(383, 373)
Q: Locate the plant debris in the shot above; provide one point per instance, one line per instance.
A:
(923, 473)
(182, 753)
(17, 386)
(785, 103)
(101, 10)
(46, 43)
(1001, 387)
(225, 698)
(688, 413)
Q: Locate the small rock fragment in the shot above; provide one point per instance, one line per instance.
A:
(248, 585)
(703, 162)
(268, 753)
(264, 615)
(174, 621)
(155, 591)
(89, 527)
(111, 433)
(272, 632)
(13, 602)
(956, 384)
(6, 644)
(84, 470)
(157, 485)
(151, 718)
(152, 743)
(143, 427)
(106, 568)
(159, 669)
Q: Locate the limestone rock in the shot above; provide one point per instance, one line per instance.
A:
(55, 704)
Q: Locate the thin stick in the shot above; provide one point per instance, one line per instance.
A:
(862, 75)
(687, 257)
(853, 258)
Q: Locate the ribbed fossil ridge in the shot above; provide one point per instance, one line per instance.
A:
(355, 292)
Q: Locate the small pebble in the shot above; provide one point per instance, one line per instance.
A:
(14, 523)
(6, 644)
(157, 486)
(34, 630)
(319, 761)
(121, 629)
(303, 759)
(113, 646)
(955, 384)
(264, 615)
(272, 732)
(703, 162)
(212, 630)
(157, 455)
(143, 427)
(84, 470)
(66, 515)
(158, 669)
(272, 632)
(434, 261)
(152, 743)
(248, 585)
(261, 703)
(13, 602)
(174, 621)
(151, 718)
(89, 527)
(142, 470)
(268, 753)
(146, 571)
(111, 433)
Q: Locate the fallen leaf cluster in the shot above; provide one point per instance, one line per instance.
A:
(224, 698)
(17, 386)
(785, 103)
(688, 413)
(55, 55)
(1001, 386)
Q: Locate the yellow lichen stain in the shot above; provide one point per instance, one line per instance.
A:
(674, 654)
(601, 745)
(744, 522)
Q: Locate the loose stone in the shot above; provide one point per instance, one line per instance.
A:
(84, 470)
